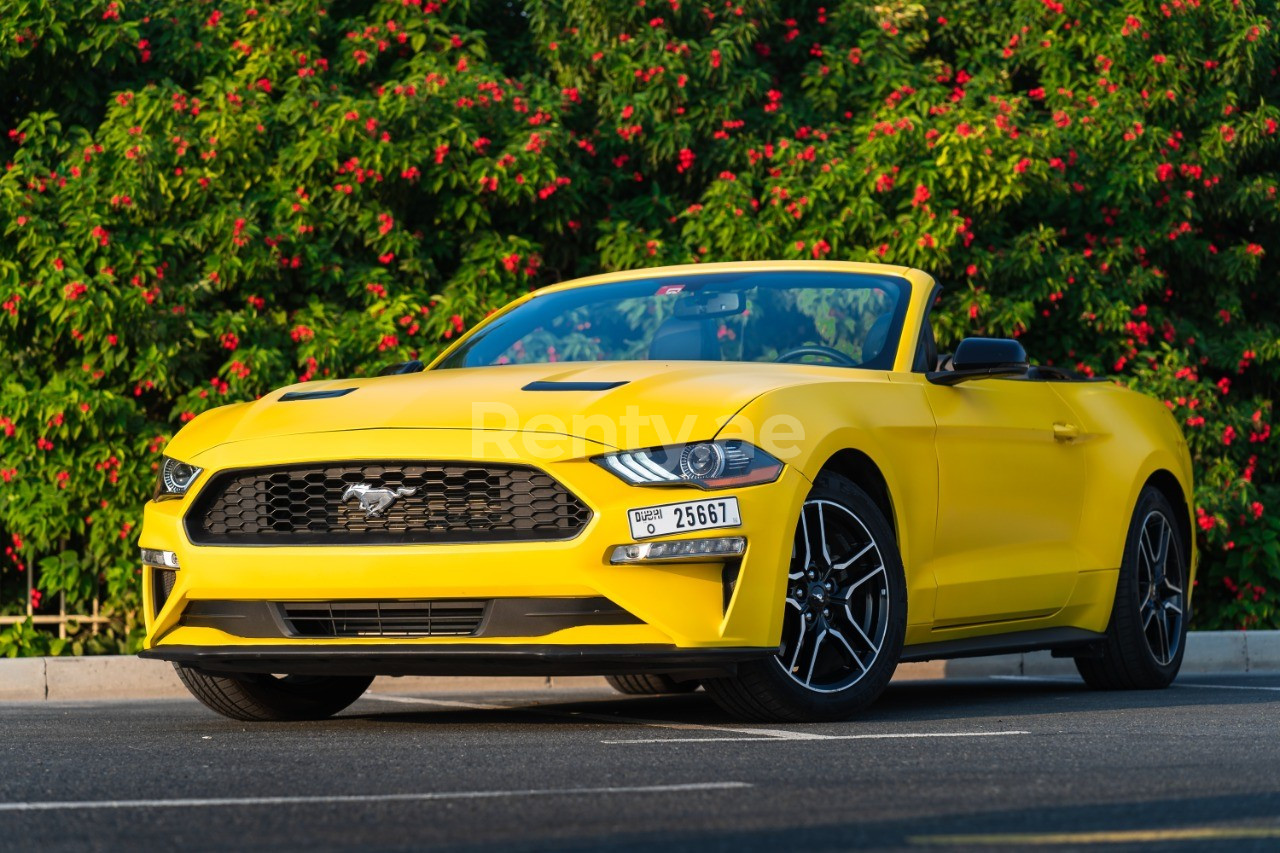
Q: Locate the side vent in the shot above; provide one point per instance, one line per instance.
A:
(162, 583)
(400, 367)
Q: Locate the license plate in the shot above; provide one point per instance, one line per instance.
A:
(665, 519)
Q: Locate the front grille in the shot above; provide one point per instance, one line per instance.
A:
(383, 618)
(433, 502)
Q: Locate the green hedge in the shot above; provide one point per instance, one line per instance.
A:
(205, 200)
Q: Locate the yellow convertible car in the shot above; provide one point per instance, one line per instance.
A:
(760, 478)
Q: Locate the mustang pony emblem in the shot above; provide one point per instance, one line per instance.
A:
(374, 501)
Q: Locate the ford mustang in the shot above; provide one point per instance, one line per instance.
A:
(758, 478)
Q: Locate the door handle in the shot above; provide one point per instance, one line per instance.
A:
(1065, 432)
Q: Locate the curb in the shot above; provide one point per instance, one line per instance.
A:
(125, 677)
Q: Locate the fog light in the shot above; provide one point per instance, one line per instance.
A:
(679, 549)
(159, 559)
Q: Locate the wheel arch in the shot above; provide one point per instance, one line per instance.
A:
(1166, 482)
(1159, 470)
(860, 469)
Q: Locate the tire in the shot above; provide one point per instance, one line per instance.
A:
(255, 698)
(649, 685)
(1147, 634)
(852, 592)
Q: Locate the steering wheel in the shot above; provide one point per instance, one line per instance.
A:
(819, 350)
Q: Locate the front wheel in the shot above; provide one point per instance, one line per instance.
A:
(254, 697)
(845, 616)
(1148, 630)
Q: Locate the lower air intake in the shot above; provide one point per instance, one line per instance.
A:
(383, 618)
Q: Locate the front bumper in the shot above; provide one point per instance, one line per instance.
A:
(461, 659)
(733, 605)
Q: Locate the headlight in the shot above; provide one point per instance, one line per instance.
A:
(175, 478)
(706, 464)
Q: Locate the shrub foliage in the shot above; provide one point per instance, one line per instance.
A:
(205, 199)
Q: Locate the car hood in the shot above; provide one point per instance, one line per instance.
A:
(617, 404)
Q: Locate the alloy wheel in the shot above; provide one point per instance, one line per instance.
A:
(837, 608)
(1160, 594)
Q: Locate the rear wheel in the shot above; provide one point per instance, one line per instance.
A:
(844, 620)
(255, 697)
(649, 685)
(1147, 634)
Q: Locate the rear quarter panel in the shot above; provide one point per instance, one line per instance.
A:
(1129, 438)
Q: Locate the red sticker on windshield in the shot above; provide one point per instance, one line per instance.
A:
(670, 288)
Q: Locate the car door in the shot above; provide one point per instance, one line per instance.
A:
(1011, 480)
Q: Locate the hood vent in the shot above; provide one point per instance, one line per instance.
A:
(547, 385)
(315, 395)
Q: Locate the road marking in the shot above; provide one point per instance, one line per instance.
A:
(777, 734)
(1180, 684)
(76, 805)
(448, 703)
(1231, 687)
(882, 736)
(1123, 836)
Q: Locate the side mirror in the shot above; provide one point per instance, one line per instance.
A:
(983, 358)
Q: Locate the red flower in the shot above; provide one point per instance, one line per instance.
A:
(921, 196)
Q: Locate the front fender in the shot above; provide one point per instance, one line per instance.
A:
(890, 422)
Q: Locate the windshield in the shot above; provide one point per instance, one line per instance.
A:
(846, 319)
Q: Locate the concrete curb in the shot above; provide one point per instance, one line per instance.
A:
(70, 679)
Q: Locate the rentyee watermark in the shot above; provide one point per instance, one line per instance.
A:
(499, 430)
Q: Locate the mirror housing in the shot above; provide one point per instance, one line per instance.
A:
(704, 306)
(983, 358)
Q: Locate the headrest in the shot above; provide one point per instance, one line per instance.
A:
(877, 337)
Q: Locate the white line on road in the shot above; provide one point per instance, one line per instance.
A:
(448, 703)
(883, 736)
(779, 734)
(74, 805)
(1230, 686)
(1180, 684)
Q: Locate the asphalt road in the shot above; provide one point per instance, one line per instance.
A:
(943, 765)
